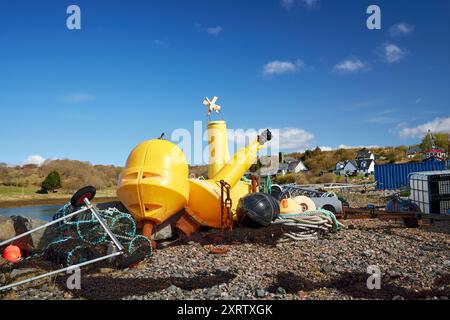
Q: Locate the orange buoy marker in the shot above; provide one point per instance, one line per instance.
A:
(12, 253)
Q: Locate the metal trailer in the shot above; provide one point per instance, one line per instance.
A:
(396, 176)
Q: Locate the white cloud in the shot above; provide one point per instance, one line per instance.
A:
(401, 29)
(282, 67)
(34, 159)
(311, 3)
(344, 146)
(290, 4)
(214, 30)
(287, 4)
(393, 53)
(78, 97)
(352, 65)
(295, 139)
(160, 43)
(436, 125)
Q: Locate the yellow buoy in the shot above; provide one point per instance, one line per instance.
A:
(289, 206)
(218, 147)
(204, 204)
(154, 184)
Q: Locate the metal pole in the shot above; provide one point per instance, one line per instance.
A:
(102, 223)
(60, 270)
(43, 226)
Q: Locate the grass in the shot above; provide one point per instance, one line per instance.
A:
(10, 193)
(16, 191)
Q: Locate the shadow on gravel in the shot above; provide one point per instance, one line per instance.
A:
(434, 227)
(354, 285)
(112, 288)
(264, 236)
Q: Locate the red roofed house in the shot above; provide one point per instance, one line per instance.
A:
(435, 153)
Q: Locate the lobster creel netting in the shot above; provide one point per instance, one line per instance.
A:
(82, 238)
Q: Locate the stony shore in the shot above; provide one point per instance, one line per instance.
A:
(414, 264)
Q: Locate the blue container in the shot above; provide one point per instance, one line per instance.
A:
(396, 176)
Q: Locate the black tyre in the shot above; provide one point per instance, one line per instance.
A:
(84, 193)
(329, 208)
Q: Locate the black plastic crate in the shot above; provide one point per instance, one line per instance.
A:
(439, 184)
(442, 207)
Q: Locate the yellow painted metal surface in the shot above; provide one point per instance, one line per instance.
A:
(218, 147)
(204, 195)
(154, 185)
(204, 204)
(242, 160)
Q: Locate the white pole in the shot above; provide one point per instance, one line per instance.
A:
(43, 226)
(60, 270)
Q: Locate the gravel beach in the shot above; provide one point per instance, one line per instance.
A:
(414, 264)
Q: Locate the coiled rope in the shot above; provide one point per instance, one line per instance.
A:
(308, 225)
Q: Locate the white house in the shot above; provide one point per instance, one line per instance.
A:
(365, 154)
(348, 167)
(296, 167)
(413, 151)
(364, 164)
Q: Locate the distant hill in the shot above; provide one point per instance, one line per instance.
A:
(321, 164)
(76, 174)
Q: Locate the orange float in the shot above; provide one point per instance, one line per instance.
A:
(12, 253)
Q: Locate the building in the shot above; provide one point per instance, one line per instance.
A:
(436, 154)
(283, 169)
(280, 165)
(365, 154)
(363, 164)
(413, 151)
(269, 166)
(296, 167)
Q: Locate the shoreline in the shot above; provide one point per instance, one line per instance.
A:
(47, 202)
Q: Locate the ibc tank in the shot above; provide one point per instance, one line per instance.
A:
(154, 184)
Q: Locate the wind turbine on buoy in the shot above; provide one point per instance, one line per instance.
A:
(211, 105)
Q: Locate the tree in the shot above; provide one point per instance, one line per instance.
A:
(441, 140)
(51, 182)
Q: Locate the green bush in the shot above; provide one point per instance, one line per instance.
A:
(51, 182)
(288, 178)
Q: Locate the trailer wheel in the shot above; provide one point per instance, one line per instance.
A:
(329, 208)
(84, 193)
(411, 222)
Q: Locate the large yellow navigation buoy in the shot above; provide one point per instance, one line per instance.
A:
(218, 147)
(154, 185)
(204, 204)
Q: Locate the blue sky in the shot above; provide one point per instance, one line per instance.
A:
(139, 68)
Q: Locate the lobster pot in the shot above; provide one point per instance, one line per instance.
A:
(431, 191)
